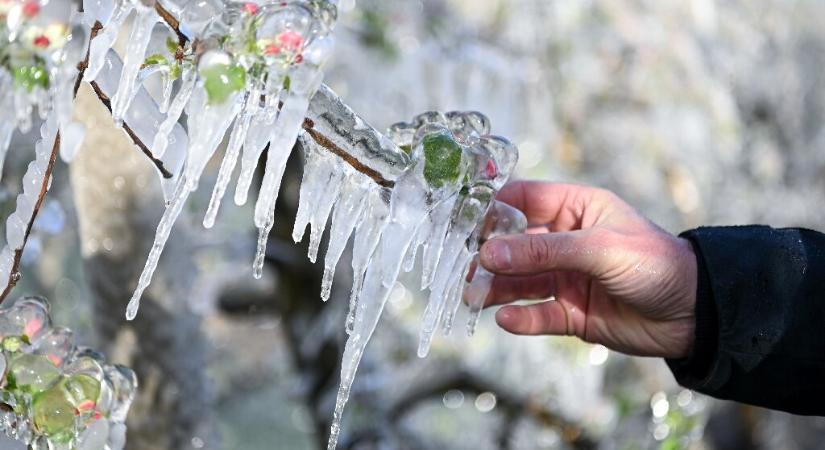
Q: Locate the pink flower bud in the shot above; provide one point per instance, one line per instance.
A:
(250, 8)
(291, 41)
(31, 8)
(490, 171)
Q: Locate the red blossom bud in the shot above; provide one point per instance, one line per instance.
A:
(490, 171)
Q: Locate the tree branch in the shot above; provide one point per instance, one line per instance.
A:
(513, 404)
(108, 104)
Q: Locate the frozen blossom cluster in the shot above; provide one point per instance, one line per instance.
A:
(53, 394)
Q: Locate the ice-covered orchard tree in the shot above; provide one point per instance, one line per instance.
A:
(253, 71)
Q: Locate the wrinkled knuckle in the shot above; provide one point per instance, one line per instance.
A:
(538, 251)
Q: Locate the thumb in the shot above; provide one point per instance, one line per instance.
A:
(528, 254)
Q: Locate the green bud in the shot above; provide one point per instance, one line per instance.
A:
(30, 77)
(442, 159)
(223, 80)
(53, 414)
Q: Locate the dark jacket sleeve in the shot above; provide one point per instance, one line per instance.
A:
(760, 318)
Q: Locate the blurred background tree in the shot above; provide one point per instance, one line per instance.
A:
(696, 111)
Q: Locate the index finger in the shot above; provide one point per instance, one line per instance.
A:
(544, 202)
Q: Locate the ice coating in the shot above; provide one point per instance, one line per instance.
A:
(243, 52)
(102, 43)
(350, 208)
(257, 139)
(33, 179)
(502, 220)
(439, 202)
(207, 130)
(146, 122)
(141, 33)
(170, 215)
(63, 396)
(436, 180)
(451, 267)
(41, 48)
(173, 113)
(367, 236)
(230, 159)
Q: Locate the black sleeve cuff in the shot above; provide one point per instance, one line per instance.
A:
(693, 370)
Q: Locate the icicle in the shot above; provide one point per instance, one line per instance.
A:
(439, 222)
(420, 240)
(167, 83)
(449, 267)
(206, 130)
(236, 140)
(320, 216)
(145, 120)
(100, 45)
(170, 216)
(260, 253)
(502, 219)
(409, 208)
(348, 210)
(257, 139)
(453, 300)
(286, 132)
(312, 184)
(161, 140)
(7, 123)
(139, 38)
(371, 302)
(367, 236)
(476, 293)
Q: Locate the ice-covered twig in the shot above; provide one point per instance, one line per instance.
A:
(82, 66)
(14, 275)
(132, 135)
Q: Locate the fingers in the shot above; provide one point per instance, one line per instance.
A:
(551, 317)
(543, 203)
(527, 254)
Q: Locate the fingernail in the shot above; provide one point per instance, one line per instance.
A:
(502, 258)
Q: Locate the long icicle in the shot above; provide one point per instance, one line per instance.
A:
(139, 38)
(347, 211)
(161, 141)
(170, 216)
(230, 159)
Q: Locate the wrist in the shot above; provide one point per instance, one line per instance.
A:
(699, 356)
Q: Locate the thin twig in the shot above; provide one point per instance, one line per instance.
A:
(81, 66)
(14, 275)
(108, 104)
(327, 144)
(173, 23)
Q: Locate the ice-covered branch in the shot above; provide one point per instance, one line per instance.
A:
(325, 137)
(15, 224)
(83, 65)
(132, 135)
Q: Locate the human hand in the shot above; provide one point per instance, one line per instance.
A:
(617, 278)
